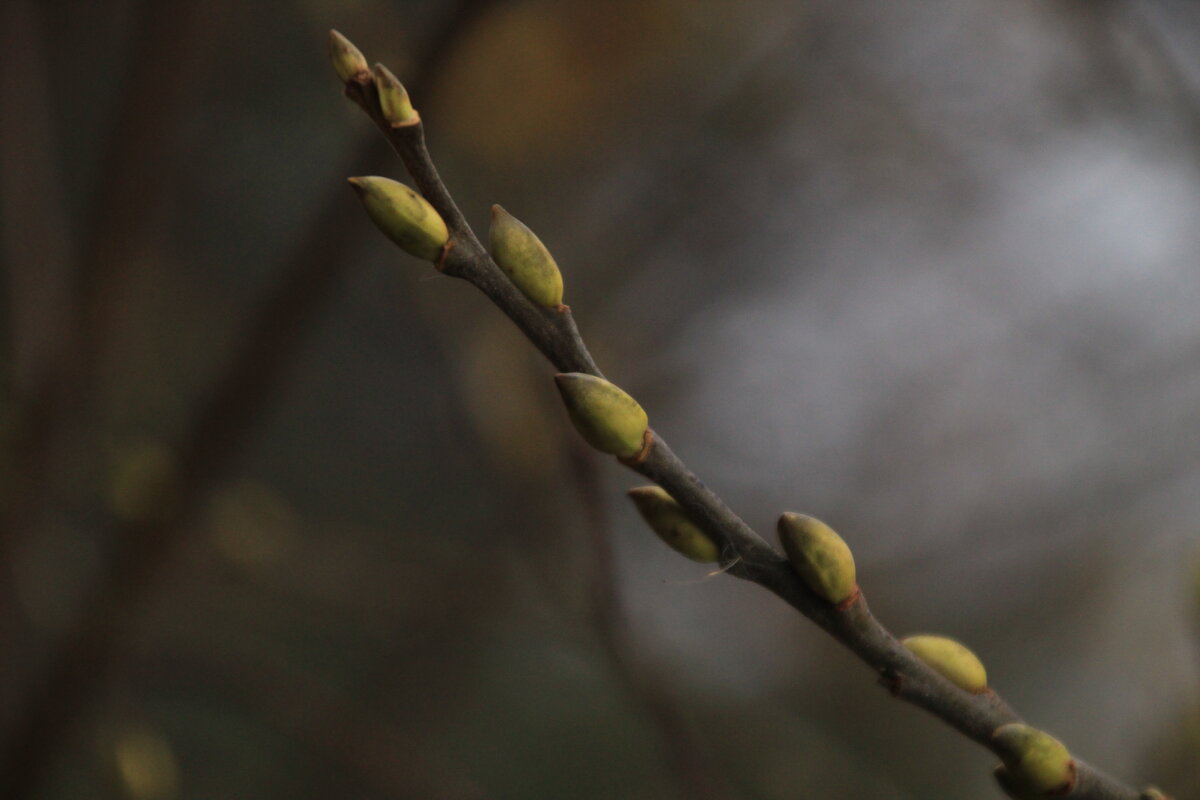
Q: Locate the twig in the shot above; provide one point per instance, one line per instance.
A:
(133, 173)
(745, 553)
(35, 240)
(36, 235)
(91, 649)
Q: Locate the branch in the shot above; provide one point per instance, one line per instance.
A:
(126, 203)
(385, 759)
(78, 665)
(744, 553)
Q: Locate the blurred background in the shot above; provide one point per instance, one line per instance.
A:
(287, 514)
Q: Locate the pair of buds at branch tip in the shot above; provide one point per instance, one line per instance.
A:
(351, 67)
(411, 222)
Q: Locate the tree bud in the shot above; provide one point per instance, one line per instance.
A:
(1036, 762)
(666, 518)
(951, 659)
(403, 215)
(520, 253)
(1153, 793)
(393, 99)
(608, 419)
(348, 60)
(819, 555)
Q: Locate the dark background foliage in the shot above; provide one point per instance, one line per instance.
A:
(289, 515)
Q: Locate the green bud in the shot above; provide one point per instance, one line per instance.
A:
(1153, 793)
(610, 420)
(393, 99)
(1036, 762)
(952, 660)
(520, 253)
(403, 215)
(819, 555)
(667, 519)
(348, 60)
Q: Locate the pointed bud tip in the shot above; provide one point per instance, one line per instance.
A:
(393, 99)
(348, 61)
(651, 499)
(337, 41)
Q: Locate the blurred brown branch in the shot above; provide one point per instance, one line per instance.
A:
(274, 336)
(126, 208)
(379, 755)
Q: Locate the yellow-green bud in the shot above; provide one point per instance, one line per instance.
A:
(951, 659)
(610, 420)
(403, 215)
(393, 99)
(1037, 763)
(822, 559)
(348, 61)
(1153, 793)
(520, 253)
(666, 518)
